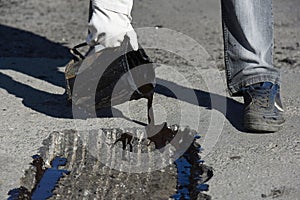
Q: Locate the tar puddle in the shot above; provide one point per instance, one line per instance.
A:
(188, 182)
(192, 175)
(45, 180)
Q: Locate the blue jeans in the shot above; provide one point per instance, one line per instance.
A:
(247, 31)
(248, 43)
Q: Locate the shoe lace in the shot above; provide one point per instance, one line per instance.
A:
(261, 97)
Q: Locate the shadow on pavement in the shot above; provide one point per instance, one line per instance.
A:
(15, 42)
(233, 111)
(20, 43)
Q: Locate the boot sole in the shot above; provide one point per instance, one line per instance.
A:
(262, 128)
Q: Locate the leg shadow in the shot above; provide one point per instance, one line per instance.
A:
(23, 44)
(53, 105)
(233, 113)
(19, 43)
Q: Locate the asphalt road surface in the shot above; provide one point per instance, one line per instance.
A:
(34, 40)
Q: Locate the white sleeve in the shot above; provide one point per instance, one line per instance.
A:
(119, 6)
(110, 22)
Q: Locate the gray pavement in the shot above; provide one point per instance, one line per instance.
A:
(34, 37)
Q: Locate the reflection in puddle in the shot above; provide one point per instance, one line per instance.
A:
(191, 172)
(45, 180)
(191, 175)
(49, 180)
(187, 174)
(20, 193)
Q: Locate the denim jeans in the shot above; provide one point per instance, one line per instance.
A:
(248, 38)
(248, 43)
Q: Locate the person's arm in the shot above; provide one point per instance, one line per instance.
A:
(109, 22)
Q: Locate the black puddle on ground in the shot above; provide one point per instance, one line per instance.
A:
(192, 175)
(187, 183)
(45, 180)
(191, 172)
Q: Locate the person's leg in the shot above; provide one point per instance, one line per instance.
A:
(248, 45)
(109, 22)
(248, 41)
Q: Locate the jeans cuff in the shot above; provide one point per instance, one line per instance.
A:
(235, 89)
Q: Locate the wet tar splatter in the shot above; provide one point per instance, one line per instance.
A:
(192, 175)
(45, 179)
(188, 182)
